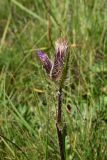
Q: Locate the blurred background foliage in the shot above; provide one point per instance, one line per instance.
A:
(28, 97)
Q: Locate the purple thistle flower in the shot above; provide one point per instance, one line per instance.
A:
(61, 47)
(47, 64)
(54, 70)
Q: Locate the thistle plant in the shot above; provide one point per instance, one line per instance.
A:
(57, 72)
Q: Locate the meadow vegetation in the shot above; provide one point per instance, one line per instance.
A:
(28, 97)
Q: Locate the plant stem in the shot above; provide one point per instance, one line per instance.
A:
(59, 126)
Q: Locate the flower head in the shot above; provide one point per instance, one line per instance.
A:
(55, 70)
(61, 47)
(47, 64)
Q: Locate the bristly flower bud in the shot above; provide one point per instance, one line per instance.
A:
(55, 70)
(47, 64)
(61, 47)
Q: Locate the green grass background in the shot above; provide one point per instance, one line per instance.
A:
(28, 97)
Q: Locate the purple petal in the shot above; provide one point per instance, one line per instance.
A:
(47, 64)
